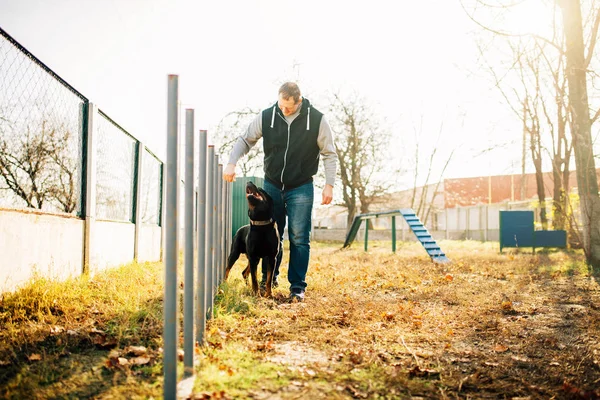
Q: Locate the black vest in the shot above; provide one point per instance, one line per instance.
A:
(291, 152)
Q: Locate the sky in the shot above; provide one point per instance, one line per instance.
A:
(416, 62)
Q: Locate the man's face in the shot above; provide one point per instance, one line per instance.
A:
(287, 106)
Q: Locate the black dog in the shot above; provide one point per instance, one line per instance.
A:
(259, 240)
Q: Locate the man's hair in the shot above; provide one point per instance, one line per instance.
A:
(290, 89)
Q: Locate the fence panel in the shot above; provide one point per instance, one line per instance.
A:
(115, 171)
(41, 134)
(151, 189)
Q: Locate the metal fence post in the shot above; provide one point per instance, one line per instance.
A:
(209, 229)
(220, 224)
(215, 234)
(188, 287)
(89, 189)
(366, 234)
(202, 266)
(172, 244)
(394, 234)
(447, 229)
(137, 203)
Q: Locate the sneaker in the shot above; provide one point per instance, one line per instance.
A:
(296, 296)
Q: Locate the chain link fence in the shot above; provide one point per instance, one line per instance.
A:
(43, 122)
(116, 156)
(41, 134)
(151, 189)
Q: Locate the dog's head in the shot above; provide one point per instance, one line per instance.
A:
(260, 204)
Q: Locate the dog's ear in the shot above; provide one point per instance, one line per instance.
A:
(265, 195)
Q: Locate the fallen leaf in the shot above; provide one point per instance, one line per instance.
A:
(419, 372)
(500, 348)
(140, 360)
(449, 277)
(265, 346)
(34, 357)
(389, 316)
(519, 358)
(136, 350)
(507, 305)
(56, 329)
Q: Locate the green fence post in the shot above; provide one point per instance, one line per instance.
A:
(366, 234)
(394, 234)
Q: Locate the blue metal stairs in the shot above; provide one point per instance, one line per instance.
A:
(423, 235)
(429, 244)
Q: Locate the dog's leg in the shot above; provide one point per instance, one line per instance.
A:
(253, 269)
(246, 272)
(269, 264)
(233, 257)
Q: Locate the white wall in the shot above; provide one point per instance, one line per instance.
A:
(38, 243)
(49, 245)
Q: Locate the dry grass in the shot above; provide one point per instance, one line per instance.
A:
(374, 325)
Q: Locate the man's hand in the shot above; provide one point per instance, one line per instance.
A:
(229, 173)
(327, 194)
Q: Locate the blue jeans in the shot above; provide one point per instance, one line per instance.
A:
(295, 204)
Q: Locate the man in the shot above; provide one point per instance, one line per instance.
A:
(295, 135)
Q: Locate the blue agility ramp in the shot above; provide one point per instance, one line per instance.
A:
(429, 244)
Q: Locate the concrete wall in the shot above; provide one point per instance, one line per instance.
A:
(149, 248)
(112, 244)
(37, 243)
(34, 243)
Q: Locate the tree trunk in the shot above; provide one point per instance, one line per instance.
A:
(587, 182)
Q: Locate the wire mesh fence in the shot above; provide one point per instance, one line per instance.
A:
(151, 189)
(116, 159)
(41, 134)
(43, 124)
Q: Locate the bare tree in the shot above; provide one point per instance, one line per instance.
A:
(38, 168)
(581, 124)
(568, 41)
(426, 205)
(362, 146)
(227, 133)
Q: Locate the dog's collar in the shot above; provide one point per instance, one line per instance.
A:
(259, 223)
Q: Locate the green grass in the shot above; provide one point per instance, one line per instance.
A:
(369, 318)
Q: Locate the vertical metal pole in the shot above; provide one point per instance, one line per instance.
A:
(89, 189)
(220, 225)
(202, 266)
(137, 211)
(210, 187)
(172, 247)
(487, 228)
(215, 230)
(394, 233)
(447, 233)
(468, 223)
(188, 287)
(366, 233)
(227, 225)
